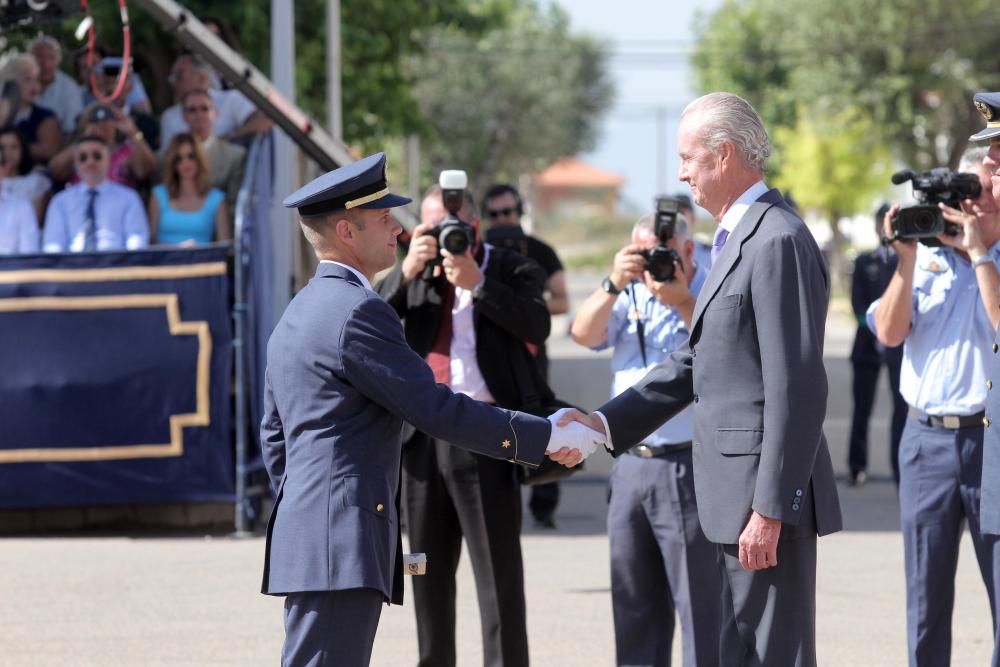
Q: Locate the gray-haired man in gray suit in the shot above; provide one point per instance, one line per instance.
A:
(753, 367)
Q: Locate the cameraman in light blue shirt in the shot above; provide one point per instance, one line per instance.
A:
(943, 305)
(661, 561)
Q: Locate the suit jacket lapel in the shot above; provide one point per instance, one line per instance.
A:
(732, 250)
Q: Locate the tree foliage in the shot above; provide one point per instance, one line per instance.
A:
(513, 99)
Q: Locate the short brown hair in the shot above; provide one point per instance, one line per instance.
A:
(170, 177)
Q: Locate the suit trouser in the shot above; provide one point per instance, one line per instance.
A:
(864, 384)
(769, 616)
(661, 561)
(941, 471)
(451, 493)
(331, 628)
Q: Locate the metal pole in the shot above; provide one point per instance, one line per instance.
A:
(283, 74)
(334, 103)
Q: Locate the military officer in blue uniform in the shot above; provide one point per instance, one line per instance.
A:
(988, 105)
(340, 380)
(943, 304)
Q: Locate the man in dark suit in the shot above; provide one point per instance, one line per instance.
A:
(753, 367)
(471, 322)
(340, 380)
(872, 273)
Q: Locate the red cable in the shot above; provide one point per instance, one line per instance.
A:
(92, 52)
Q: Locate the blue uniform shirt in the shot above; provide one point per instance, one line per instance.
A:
(945, 353)
(664, 332)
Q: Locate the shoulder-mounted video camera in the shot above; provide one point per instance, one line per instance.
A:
(660, 260)
(925, 221)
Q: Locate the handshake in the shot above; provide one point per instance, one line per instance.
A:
(575, 436)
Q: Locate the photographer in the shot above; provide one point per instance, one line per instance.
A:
(470, 315)
(661, 560)
(943, 304)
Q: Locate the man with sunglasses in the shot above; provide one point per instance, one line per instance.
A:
(95, 214)
(504, 208)
(225, 159)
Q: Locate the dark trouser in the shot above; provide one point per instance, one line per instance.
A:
(939, 491)
(544, 500)
(451, 493)
(769, 616)
(331, 628)
(864, 384)
(661, 562)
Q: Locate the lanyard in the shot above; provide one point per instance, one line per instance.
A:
(640, 327)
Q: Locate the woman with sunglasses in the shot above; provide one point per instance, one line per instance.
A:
(184, 208)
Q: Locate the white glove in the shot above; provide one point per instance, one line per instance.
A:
(574, 436)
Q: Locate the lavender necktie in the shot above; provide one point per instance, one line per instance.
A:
(721, 234)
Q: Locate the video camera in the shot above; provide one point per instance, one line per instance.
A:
(660, 260)
(453, 234)
(925, 221)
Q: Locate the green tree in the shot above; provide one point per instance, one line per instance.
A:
(835, 167)
(513, 99)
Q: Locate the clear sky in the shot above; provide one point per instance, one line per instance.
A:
(650, 41)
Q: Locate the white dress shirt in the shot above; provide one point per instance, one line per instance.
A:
(466, 378)
(735, 213)
(232, 110)
(120, 219)
(18, 226)
(64, 98)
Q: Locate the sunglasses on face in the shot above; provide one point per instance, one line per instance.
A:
(501, 212)
(84, 157)
(181, 157)
(199, 109)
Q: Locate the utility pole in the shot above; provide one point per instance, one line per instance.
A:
(334, 100)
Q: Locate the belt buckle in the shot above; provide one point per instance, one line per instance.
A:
(951, 421)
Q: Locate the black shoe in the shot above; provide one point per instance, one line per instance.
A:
(857, 478)
(546, 521)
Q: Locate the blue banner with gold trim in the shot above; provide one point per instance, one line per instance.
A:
(115, 378)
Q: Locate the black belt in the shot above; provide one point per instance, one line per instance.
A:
(652, 451)
(949, 421)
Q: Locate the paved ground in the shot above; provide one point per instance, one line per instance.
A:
(191, 600)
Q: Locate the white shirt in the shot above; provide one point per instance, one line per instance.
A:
(466, 378)
(120, 219)
(64, 99)
(32, 186)
(18, 226)
(361, 276)
(232, 110)
(740, 206)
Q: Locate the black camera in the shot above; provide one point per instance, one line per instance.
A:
(660, 261)
(925, 222)
(453, 234)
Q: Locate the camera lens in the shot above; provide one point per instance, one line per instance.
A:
(454, 240)
(925, 222)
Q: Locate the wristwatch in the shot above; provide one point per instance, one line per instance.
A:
(982, 259)
(609, 286)
(477, 289)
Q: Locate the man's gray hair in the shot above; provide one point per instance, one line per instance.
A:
(729, 117)
(49, 41)
(972, 159)
(681, 228)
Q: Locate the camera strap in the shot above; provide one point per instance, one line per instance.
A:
(640, 326)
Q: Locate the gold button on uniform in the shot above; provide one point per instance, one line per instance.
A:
(989, 384)
(379, 507)
(995, 347)
(986, 421)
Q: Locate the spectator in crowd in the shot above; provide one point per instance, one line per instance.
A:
(21, 178)
(661, 561)
(108, 73)
(18, 222)
(39, 125)
(236, 116)
(872, 273)
(136, 98)
(10, 102)
(943, 306)
(96, 213)
(185, 208)
(132, 161)
(504, 208)
(225, 159)
(59, 92)
(471, 321)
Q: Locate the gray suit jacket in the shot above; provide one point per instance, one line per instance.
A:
(340, 381)
(753, 366)
(226, 169)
